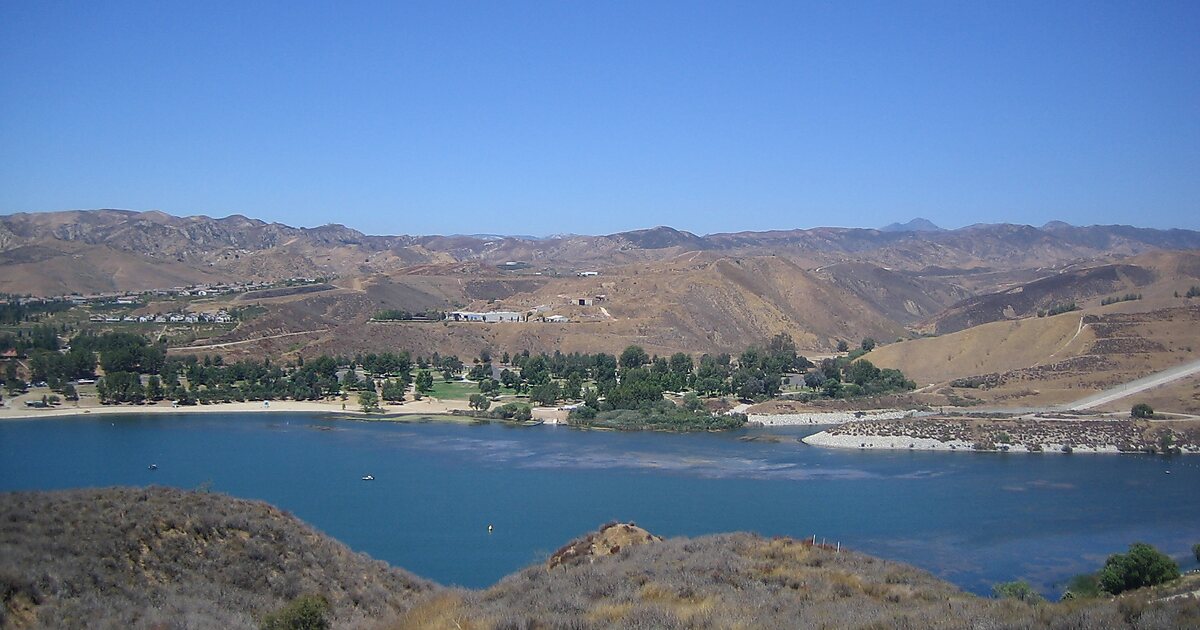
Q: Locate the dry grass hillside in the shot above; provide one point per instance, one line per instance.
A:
(164, 558)
(1055, 359)
(693, 303)
(242, 248)
(161, 558)
(992, 347)
(1155, 276)
(63, 268)
(1181, 396)
(745, 581)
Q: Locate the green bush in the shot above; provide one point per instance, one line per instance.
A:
(307, 612)
(1142, 410)
(1142, 566)
(1017, 590)
(1086, 585)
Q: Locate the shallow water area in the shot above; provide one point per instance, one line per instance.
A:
(974, 519)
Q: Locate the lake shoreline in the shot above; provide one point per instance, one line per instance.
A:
(1012, 435)
(419, 408)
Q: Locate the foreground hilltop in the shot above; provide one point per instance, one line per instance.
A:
(163, 558)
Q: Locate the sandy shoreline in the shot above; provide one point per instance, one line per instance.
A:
(424, 407)
(15, 409)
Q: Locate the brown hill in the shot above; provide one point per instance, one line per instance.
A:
(1052, 360)
(694, 303)
(164, 558)
(1155, 276)
(238, 247)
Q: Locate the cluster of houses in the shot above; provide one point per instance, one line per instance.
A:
(491, 317)
(486, 317)
(536, 314)
(201, 290)
(207, 317)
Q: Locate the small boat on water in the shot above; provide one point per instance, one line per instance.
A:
(368, 478)
(153, 467)
(532, 423)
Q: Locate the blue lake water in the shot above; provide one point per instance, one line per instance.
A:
(973, 519)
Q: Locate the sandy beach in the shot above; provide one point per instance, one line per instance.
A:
(15, 409)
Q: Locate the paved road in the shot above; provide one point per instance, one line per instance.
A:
(1134, 387)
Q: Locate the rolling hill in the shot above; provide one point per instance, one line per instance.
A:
(162, 558)
(237, 247)
(665, 289)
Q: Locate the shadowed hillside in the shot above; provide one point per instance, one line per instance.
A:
(162, 558)
(1155, 276)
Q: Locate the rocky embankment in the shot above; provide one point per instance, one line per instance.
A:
(823, 417)
(1014, 435)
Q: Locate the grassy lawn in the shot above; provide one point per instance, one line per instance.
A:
(453, 391)
(458, 390)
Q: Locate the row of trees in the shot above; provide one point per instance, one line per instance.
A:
(137, 369)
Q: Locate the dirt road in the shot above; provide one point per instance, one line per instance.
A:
(1133, 387)
(238, 343)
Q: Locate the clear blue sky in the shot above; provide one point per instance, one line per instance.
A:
(595, 117)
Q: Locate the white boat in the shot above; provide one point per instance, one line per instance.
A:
(368, 478)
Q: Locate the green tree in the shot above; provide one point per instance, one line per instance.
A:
(535, 371)
(861, 372)
(154, 390)
(868, 344)
(489, 386)
(591, 398)
(546, 394)
(633, 357)
(1142, 566)
(842, 345)
(1196, 551)
(424, 381)
(1142, 410)
(393, 390)
(307, 612)
(1017, 590)
(574, 388)
(350, 380)
(369, 401)
(480, 402)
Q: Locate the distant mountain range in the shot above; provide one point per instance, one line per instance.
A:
(666, 289)
(916, 225)
(99, 250)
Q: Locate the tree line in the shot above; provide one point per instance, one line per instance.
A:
(137, 369)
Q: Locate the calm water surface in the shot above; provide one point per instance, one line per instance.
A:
(974, 519)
